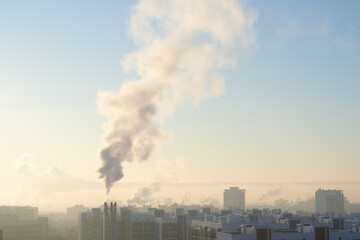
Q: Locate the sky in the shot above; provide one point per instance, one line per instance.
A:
(287, 121)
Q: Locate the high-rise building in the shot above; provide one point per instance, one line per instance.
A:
(74, 212)
(143, 230)
(329, 201)
(182, 227)
(13, 228)
(234, 198)
(166, 229)
(125, 214)
(23, 212)
(91, 225)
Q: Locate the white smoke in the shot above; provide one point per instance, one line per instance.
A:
(181, 46)
(210, 201)
(145, 194)
(270, 193)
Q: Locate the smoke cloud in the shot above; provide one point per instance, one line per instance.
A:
(144, 195)
(210, 201)
(182, 44)
(270, 193)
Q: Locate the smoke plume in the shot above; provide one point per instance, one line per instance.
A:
(182, 44)
(144, 195)
(270, 193)
(210, 201)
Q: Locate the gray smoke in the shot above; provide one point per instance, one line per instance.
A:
(181, 46)
(210, 201)
(144, 195)
(270, 193)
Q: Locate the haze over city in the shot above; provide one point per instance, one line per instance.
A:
(162, 102)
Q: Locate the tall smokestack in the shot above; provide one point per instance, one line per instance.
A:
(181, 46)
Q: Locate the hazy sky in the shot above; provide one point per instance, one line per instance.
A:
(287, 122)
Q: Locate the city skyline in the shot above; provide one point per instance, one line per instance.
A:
(183, 222)
(285, 123)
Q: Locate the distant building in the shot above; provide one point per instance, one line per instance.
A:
(329, 201)
(143, 230)
(157, 213)
(180, 211)
(234, 198)
(167, 229)
(206, 211)
(182, 233)
(23, 212)
(13, 228)
(192, 213)
(73, 213)
(204, 230)
(91, 225)
(110, 225)
(125, 223)
(283, 226)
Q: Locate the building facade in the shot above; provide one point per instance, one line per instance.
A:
(329, 201)
(234, 198)
(13, 228)
(91, 225)
(23, 212)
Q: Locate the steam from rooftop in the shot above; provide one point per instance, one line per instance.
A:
(181, 46)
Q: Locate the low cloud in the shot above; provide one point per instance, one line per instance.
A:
(329, 183)
(53, 180)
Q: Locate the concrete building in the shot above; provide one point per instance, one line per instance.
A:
(166, 229)
(329, 201)
(13, 228)
(23, 212)
(234, 198)
(74, 212)
(172, 227)
(268, 233)
(156, 213)
(200, 230)
(91, 225)
(131, 226)
(143, 230)
(182, 227)
(281, 226)
(125, 223)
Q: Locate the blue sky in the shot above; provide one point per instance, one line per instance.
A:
(290, 109)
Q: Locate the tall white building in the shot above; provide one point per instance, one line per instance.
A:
(234, 198)
(329, 201)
